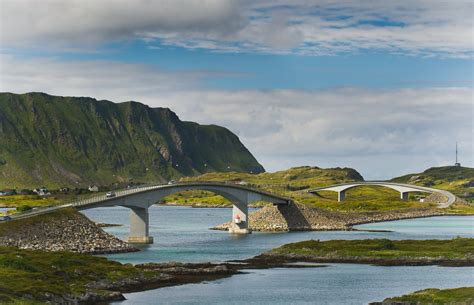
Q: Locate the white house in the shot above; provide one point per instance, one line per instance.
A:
(93, 188)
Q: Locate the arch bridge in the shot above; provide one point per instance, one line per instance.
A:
(403, 188)
(138, 200)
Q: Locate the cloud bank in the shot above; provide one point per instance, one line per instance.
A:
(324, 27)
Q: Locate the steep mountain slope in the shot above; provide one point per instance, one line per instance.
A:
(459, 180)
(76, 141)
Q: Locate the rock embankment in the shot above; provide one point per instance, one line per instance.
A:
(436, 198)
(300, 217)
(370, 217)
(292, 217)
(62, 230)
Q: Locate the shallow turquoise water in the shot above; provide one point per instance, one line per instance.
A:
(336, 284)
(181, 234)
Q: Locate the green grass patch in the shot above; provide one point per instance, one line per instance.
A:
(457, 248)
(295, 183)
(27, 201)
(457, 180)
(463, 295)
(34, 273)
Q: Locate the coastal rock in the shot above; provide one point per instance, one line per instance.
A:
(436, 198)
(300, 217)
(61, 231)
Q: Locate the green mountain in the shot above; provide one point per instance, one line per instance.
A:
(456, 179)
(76, 141)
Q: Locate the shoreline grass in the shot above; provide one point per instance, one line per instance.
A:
(457, 248)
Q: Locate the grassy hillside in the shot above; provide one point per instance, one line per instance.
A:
(295, 182)
(457, 248)
(458, 180)
(432, 296)
(75, 141)
(28, 277)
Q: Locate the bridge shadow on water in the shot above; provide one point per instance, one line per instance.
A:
(294, 218)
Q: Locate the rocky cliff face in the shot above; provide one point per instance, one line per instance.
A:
(75, 141)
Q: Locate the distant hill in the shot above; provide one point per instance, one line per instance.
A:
(76, 141)
(301, 177)
(291, 182)
(459, 180)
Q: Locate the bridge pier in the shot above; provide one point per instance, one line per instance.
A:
(139, 226)
(341, 196)
(240, 224)
(404, 195)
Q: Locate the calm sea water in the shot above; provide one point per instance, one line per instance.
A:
(182, 234)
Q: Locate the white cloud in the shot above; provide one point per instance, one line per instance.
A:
(380, 132)
(422, 27)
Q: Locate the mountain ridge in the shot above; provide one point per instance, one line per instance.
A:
(76, 141)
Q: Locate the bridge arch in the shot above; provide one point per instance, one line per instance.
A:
(139, 200)
(402, 188)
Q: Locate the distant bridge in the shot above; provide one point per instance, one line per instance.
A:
(403, 188)
(138, 200)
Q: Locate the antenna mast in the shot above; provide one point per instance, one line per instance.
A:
(457, 163)
(456, 152)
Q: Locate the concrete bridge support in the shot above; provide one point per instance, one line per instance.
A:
(240, 224)
(404, 195)
(139, 222)
(341, 196)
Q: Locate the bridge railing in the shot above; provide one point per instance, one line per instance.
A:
(121, 193)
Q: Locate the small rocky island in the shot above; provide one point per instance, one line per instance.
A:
(463, 295)
(456, 252)
(73, 278)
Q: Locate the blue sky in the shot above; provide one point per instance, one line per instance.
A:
(384, 87)
(233, 71)
(268, 71)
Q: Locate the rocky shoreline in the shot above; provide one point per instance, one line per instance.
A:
(62, 230)
(164, 275)
(69, 230)
(176, 273)
(421, 261)
(300, 217)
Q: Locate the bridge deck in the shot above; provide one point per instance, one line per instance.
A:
(402, 187)
(93, 201)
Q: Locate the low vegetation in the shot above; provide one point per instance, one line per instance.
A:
(295, 183)
(463, 295)
(457, 248)
(27, 201)
(456, 179)
(32, 275)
